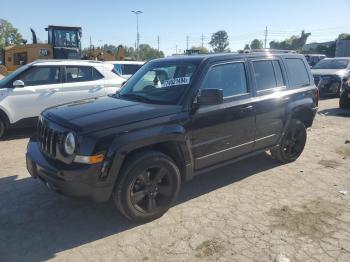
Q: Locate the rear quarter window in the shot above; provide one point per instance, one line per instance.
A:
(297, 73)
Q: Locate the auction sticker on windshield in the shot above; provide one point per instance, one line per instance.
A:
(176, 81)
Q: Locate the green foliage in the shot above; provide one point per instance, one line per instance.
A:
(201, 50)
(219, 41)
(256, 44)
(329, 51)
(146, 52)
(292, 43)
(8, 35)
(246, 47)
(344, 36)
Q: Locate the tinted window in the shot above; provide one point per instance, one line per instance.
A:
(38, 75)
(78, 73)
(297, 73)
(130, 69)
(96, 75)
(332, 64)
(278, 73)
(264, 75)
(231, 78)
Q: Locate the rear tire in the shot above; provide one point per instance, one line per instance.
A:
(292, 144)
(344, 102)
(148, 186)
(3, 128)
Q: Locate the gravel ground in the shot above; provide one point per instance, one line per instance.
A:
(254, 210)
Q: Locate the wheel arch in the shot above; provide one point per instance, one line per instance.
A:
(4, 117)
(304, 114)
(169, 140)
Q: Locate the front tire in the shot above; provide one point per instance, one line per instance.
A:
(148, 186)
(292, 144)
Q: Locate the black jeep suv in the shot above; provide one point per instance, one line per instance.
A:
(175, 118)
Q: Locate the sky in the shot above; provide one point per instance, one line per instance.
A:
(112, 22)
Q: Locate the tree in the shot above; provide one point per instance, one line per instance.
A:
(246, 47)
(8, 34)
(256, 44)
(146, 52)
(292, 43)
(344, 36)
(201, 50)
(219, 41)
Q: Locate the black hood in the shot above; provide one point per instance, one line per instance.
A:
(100, 113)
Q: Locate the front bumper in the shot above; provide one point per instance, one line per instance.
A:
(78, 180)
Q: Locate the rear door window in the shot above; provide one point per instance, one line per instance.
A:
(297, 72)
(78, 74)
(96, 75)
(268, 74)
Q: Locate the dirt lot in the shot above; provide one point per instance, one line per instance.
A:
(249, 211)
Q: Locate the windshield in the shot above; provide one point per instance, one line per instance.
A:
(332, 64)
(159, 83)
(66, 38)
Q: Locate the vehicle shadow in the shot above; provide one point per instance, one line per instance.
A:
(342, 112)
(36, 224)
(18, 133)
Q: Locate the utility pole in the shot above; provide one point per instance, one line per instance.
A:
(202, 39)
(265, 40)
(137, 31)
(176, 49)
(158, 41)
(187, 42)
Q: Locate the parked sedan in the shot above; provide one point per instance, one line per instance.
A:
(126, 68)
(25, 93)
(330, 74)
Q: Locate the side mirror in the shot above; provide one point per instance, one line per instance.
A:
(18, 83)
(211, 97)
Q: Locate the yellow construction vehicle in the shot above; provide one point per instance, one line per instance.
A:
(64, 42)
(105, 55)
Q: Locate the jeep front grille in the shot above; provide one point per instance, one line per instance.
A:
(48, 138)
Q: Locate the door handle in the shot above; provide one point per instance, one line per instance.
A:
(54, 90)
(246, 108)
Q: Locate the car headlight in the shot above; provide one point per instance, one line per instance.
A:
(69, 144)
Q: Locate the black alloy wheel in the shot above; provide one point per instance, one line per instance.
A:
(148, 186)
(151, 190)
(292, 144)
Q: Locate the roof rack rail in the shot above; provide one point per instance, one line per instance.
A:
(269, 51)
(67, 60)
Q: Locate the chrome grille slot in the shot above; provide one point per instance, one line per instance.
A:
(48, 139)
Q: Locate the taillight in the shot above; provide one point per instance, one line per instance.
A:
(317, 96)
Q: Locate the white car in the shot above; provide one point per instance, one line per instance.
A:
(32, 88)
(126, 68)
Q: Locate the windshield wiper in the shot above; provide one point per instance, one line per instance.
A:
(140, 98)
(134, 97)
